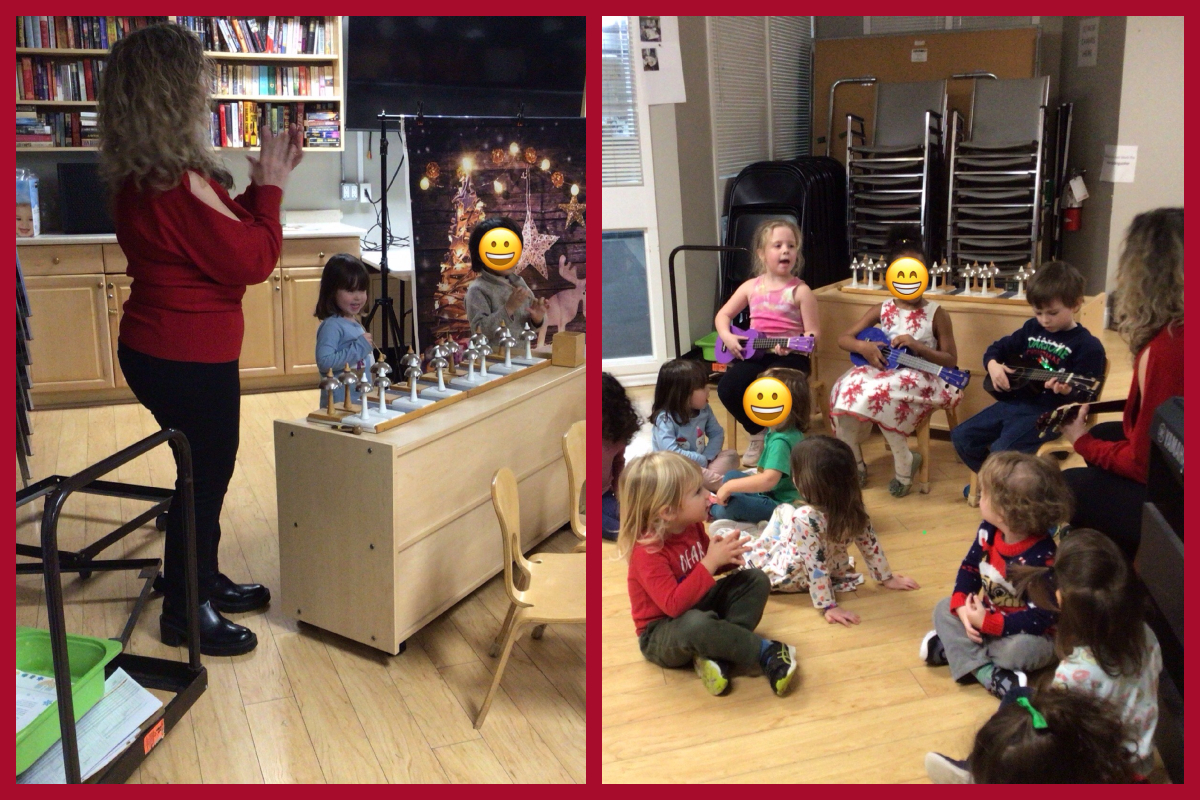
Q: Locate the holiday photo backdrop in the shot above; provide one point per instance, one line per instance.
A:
(463, 172)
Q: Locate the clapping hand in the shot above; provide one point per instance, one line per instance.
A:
(278, 155)
(972, 614)
(723, 550)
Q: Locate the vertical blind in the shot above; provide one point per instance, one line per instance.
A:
(621, 152)
(791, 86)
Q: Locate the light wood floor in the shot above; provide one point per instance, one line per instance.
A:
(865, 708)
(308, 706)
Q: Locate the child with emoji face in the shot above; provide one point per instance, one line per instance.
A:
(499, 294)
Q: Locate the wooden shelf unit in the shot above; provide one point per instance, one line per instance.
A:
(333, 59)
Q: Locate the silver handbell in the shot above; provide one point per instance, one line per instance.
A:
(383, 382)
(452, 350)
(485, 350)
(349, 380)
(330, 384)
(381, 368)
(365, 388)
(470, 355)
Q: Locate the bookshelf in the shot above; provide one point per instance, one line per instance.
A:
(273, 63)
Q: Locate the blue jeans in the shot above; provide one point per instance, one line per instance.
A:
(744, 506)
(1000, 426)
(610, 516)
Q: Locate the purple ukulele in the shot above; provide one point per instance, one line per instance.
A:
(756, 344)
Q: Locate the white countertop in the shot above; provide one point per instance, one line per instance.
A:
(313, 230)
(400, 260)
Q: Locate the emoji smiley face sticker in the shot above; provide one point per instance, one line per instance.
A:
(906, 278)
(767, 401)
(500, 248)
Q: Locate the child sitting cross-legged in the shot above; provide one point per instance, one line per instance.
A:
(804, 546)
(683, 422)
(989, 628)
(753, 498)
(682, 613)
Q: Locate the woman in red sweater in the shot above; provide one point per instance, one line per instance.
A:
(192, 252)
(1148, 306)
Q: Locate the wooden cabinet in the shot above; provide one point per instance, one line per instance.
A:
(69, 259)
(71, 346)
(116, 291)
(263, 338)
(301, 288)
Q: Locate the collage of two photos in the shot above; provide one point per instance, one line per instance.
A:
(892, 441)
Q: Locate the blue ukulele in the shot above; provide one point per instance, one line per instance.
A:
(903, 357)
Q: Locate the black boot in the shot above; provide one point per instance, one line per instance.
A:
(218, 636)
(228, 596)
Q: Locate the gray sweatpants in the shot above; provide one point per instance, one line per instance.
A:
(1022, 651)
(720, 626)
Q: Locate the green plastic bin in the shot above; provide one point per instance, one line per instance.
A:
(708, 345)
(87, 657)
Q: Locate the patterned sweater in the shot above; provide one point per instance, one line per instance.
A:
(796, 555)
(1075, 350)
(986, 567)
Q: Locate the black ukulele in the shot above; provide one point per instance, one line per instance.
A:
(1052, 421)
(1029, 378)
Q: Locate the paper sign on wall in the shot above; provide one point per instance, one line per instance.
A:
(661, 60)
(920, 54)
(1089, 41)
(1120, 162)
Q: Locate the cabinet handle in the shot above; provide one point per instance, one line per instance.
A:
(110, 295)
(320, 256)
(112, 312)
(110, 286)
(287, 277)
(100, 284)
(55, 260)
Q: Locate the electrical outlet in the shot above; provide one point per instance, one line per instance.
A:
(364, 193)
(349, 192)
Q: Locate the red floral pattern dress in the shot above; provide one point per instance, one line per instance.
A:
(895, 399)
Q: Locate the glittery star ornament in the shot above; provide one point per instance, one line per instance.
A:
(534, 247)
(574, 211)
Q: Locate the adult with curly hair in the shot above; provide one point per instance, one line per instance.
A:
(192, 251)
(619, 424)
(1148, 308)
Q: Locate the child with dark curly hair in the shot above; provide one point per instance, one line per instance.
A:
(619, 423)
(989, 628)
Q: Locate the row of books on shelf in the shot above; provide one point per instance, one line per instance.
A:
(56, 128)
(238, 123)
(49, 79)
(302, 81)
(78, 33)
(286, 35)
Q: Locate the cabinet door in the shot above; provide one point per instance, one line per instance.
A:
(301, 287)
(116, 290)
(262, 341)
(71, 349)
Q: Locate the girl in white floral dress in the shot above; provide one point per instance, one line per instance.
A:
(803, 547)
(897, 400)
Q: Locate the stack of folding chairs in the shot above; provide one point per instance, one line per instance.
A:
(24, 400)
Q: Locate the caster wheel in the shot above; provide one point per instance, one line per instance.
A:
(160, 522)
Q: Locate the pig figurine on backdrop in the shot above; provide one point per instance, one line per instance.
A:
(562, 307)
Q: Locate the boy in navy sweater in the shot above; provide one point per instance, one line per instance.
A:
(989, 628)
(1052, 340)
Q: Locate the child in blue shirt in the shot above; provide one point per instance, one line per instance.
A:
(684, 424)
(341, 340)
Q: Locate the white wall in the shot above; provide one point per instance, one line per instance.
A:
(1152, 118)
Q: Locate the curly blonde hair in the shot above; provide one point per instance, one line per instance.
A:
(154, 117)
(1149, 294)
(648, 486)
(1029, 493)
(762, 236)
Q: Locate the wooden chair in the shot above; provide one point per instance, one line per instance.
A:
(574, 444)
(555, 582)
(921, 479)
(819, 394)
(1060, 451)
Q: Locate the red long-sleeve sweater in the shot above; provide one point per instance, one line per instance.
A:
(191, 265)
(1130, 458)
(668, 582)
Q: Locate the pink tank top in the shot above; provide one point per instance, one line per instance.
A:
(774, 313)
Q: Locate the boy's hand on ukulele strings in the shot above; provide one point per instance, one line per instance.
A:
(870, 351)
(1055, 385)
(1076, 426)
(734, 345)
(725, 549)
(999, 374)
(841, 616)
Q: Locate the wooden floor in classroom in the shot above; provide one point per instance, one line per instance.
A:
(309, 706)
(863, 707)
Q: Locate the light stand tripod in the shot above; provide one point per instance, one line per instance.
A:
(389, 322)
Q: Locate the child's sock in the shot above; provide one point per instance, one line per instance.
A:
(984, 673)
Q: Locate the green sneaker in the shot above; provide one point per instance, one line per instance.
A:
(779, 666)
(714, 674)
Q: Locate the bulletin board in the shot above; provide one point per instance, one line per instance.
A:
(1010, 53)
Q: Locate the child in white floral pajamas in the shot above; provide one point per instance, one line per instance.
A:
(803, 547)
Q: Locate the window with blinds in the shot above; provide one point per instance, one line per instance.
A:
(761, 74)
(621, 152)
(877, 25)
(978, 23)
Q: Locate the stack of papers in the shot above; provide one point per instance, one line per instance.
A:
(102, 733)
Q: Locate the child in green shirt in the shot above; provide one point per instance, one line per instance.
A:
(752, 498)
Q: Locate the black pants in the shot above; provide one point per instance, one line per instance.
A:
(1108, 502)
(741, 374)
(204, 402)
